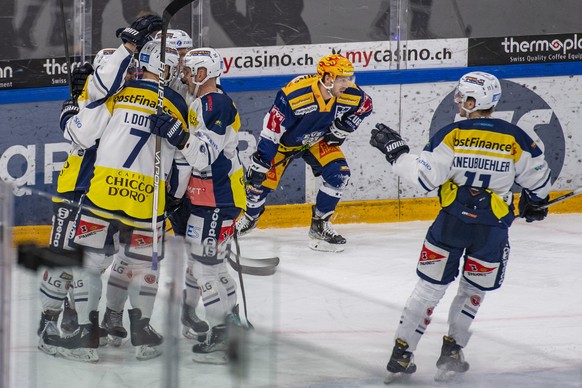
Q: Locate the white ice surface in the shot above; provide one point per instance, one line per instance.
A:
(328, 319)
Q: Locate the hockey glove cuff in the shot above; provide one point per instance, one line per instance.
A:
(164, 125)
(141, 30)
(257, 171)
(531, 210)
(173, 204)
(68, 110)
(338, 131)
(389, 142)
(79, 77)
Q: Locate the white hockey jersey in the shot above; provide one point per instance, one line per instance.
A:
(123, 180)
(217, 175)
(107, 79)
(485, 153)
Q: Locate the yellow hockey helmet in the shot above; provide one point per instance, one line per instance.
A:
(335, 65)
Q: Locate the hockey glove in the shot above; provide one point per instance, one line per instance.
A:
(389, 142)
(338, 131)
(257, 171)
(79, 76)
(531, 210)
(141, 30)
(68, 110)
(172, 204)
(164, 125)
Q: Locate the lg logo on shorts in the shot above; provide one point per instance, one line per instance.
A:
(524, 108)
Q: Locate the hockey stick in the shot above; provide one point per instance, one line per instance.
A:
(297, 153)
(241, 283)
(169, 11)
(293, 155)
(256, 267)
(67, 54)
(562, 198)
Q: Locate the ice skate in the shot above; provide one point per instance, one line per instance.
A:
(69, 323)
(112, 323)
(194, 327)
(451, 362)
(51, 333)
(81, 345)
(401, 363)
(46, 317)
(246, 223)
(145, 339)
(323, 236)
(215, 350)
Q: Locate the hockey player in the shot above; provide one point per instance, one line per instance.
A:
(89, 83)
(473, 163)
(178, 209)
(56, 283)
(318, 111)
(119, 204)
(216, 193)
(182, 42)
(110, 70)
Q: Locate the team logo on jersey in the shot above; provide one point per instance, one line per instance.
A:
(349, 99)
(209, 104)
(366, 106)
(341, 110)
(276, 118)
(306, 110)
(524, 108)
(302, 100)
(192, 118)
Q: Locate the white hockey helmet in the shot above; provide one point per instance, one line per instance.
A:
(149, 58)
(483, 87)
(102, 55)
(204, 57)
(177, 39)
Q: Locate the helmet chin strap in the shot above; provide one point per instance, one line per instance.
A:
(469, 111)
(328, 88)
(198, 84)
(196, 88)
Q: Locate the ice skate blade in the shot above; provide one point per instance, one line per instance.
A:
(113, 341)
(80, 355)
(392, 377)
(444, 376)
(324, 246)
(189, 333)
(147, 352)
(48, 349)
(212, 358)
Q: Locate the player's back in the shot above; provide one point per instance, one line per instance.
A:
(124, 167)
(486, 152)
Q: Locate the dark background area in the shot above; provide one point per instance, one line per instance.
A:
(33, 28)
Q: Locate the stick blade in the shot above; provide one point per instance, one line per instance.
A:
(257, 267)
